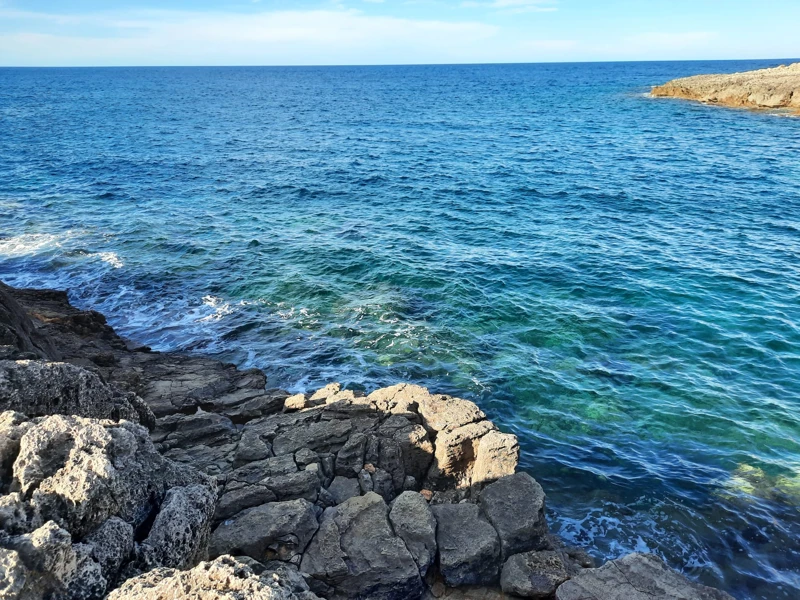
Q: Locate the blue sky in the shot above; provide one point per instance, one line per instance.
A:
(321, 32)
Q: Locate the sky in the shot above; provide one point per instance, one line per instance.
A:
(340, 32)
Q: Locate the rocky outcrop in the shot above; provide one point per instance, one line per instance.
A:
(19, 337)
(89, 501)
(222, 579)
(635, 577)
(39, 388)
(765, 88)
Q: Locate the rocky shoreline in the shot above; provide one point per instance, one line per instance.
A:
(777, 88)
(126, 473)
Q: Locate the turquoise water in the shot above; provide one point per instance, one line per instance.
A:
(614, 278)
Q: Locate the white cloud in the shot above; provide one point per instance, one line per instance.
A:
(266, 38)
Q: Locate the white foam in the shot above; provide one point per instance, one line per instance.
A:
(219, 307)
(29, 244)
(112, 259)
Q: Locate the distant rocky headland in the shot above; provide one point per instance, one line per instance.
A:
(131, 474)
(777, 88)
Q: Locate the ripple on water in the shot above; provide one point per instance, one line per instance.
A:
(614, 278)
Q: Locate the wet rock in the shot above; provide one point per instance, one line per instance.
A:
(515, 506)
(357, 553)
(635, 577)
(278, 530)
(469, 549)
(222, 579)
(38, 388)
(533, 574)
(415, 524)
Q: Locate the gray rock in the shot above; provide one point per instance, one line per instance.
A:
(635, 577)
(111, 546)
(12, 575)
(350, 459)
(180, 532)
(278, 530)
(19, 337)
(344, 488)
(251, 447)
(515, 506)
(357, 553)
(415, 524)
(222, 579)
(321, 436)
(533, 574)
(240, 496)
(382, 484)
(38, 388)
(469, 549)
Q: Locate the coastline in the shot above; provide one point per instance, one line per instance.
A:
(228, 458)
(764, 89)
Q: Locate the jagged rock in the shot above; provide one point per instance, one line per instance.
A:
(85, 487)
(444, 413)
(180, 532)
(12, 575)
(111, 546)
(635, 577)
(350, 459)
(251, 447)
(357, 553)
(222, 579)
(278, 530)
(13, 426)
(38, 388)
(344, 488)
(515, 506)
(469, 549)
(414, 522)
(320, 436)
(19, 338)
(241, 496)
(533, 574)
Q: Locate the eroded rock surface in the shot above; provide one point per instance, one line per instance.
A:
(635, 577)
(765, 88)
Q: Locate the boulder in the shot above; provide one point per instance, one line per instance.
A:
(222, 579)
(635, 577)
(415, 524)
(534, 574)
(497, 456)
(278, 530)
(38, 388)
(469, 549)
(515, 506)
(357, 553)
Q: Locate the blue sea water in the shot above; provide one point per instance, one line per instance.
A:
(612, 277)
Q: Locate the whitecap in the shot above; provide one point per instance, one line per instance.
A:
(29, 244)
(111, 258)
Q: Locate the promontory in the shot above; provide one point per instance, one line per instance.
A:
(776, 88)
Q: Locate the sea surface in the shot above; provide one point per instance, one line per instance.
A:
(612, 277)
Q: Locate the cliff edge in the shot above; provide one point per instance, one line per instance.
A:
(775, 88)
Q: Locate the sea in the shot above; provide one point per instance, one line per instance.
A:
(614, 278)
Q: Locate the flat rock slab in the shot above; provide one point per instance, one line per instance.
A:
(635, 577)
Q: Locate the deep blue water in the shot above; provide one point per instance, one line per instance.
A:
(614, 278)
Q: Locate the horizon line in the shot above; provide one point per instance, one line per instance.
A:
(364, 65)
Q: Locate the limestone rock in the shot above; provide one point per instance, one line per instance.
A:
(222, 579)
(357, 553)
(38, 388)
(515, 506)
(497, 456)
(12, 575)
(533, 574)
(414, 522)
(19, 337)
(278, 530)
(469, 549)
(635, 577)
